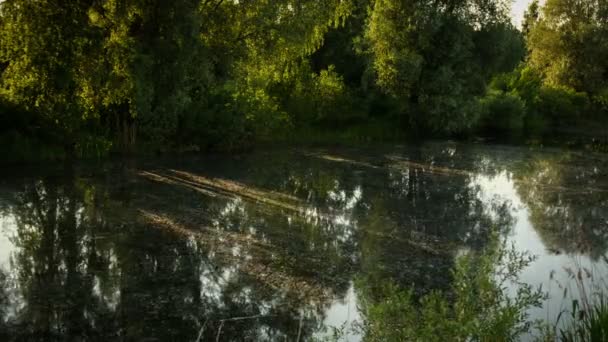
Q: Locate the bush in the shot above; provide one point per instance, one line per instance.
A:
(561, 106)
(318, 99)
(219, 126)
(526, 82)
(477, 309)
(601, 100)
(91, 146)
(369, 131)
(519, 100)
(330, 96)
(503, 113)
(535, 124)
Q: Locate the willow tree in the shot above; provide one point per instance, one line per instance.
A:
(268, 45)
(130, 68)
(117, 63)
(437, 56)
(149, 68)
(42, 48)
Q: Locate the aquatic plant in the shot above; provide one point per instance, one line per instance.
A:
(478, 306)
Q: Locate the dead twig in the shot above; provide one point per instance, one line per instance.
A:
(200, 333)
(219, 331)
(234, 319)
(300, 327)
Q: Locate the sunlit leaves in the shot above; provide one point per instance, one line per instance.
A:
(436, 58)
(569, 44)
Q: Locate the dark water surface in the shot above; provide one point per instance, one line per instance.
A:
(277, 245)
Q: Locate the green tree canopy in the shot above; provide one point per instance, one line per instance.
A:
(438, 56)
(569, 44)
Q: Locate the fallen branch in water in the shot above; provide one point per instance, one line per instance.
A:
(223, 321)
(200, 333)
(219, 332)
(300, 327)
(244, 318)
(222, 243)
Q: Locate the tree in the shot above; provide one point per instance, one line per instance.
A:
(531, 16)
(150, 66)
(437, 57)
(43, 44)
(158, 69)
(569, 45)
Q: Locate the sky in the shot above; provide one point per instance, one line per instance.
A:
(519, 7)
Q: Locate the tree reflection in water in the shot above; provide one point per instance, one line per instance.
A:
(273, 239)
(4, 303)
(567, 196)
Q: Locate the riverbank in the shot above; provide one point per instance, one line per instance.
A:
(18, 148)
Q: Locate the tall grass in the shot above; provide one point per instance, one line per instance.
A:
(587, 318)
(587, 324)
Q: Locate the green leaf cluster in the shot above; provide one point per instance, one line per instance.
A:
(477, 307)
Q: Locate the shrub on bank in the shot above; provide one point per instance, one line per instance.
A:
(477, 308)
(561, 106)
(503, 113)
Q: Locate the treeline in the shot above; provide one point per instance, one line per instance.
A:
(563, 82)
(86, 77)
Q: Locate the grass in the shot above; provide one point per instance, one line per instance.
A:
(587, 324)
(587, 318)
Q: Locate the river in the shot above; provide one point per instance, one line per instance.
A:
(277, 244)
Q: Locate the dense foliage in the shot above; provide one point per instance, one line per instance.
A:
(437, 57)
(89, 76)
(478, 306)
(564, 80)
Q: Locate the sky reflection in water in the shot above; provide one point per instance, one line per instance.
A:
(278, 243)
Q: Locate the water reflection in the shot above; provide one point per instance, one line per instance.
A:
(555, 201)
(567, 196)
(273, 245)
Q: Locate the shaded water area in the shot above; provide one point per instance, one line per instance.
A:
(280, 244)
